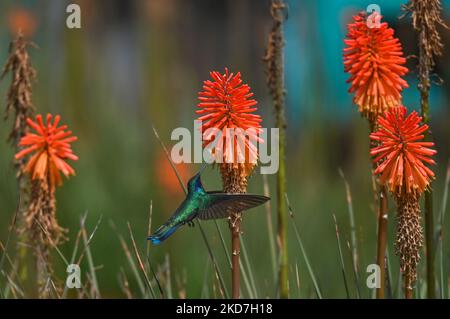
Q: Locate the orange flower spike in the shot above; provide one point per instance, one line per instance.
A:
(225, 103)
(374, 59)
(50, 146)
(401, 154)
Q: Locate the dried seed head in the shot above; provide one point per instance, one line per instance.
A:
(426, 16)
(19, 92)
(234, 177)
(274, 55)
(234, 180)
(19, 100)
(42, 230)
(409, 238)
(40, 218)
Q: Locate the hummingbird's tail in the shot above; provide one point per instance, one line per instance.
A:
(162, 233)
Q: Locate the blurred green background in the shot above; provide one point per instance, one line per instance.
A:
(135, 64)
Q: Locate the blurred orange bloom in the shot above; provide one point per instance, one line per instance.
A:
(401, 154)
(226, 103)
(50, 147)
(22, 21)
(374, 59)
(167, 177)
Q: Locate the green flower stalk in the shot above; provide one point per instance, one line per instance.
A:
(275, 81)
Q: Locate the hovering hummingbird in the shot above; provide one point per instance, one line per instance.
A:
(204, 205)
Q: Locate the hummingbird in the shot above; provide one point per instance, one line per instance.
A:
(204, 205)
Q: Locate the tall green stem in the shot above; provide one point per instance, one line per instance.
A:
(381, 205)
(382, 240)
(429, 231)
(282, 214)
(424, 89)
(275, 80)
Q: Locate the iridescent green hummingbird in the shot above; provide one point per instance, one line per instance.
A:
(204, 205)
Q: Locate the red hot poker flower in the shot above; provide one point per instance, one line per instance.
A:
(225, 102)
(374, 59)
(401, 154)
(50, 147)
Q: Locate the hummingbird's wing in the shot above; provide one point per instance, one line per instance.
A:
(222, 204)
